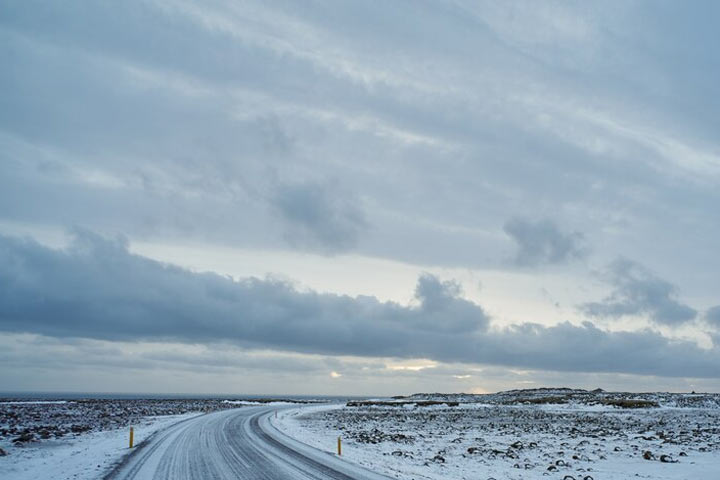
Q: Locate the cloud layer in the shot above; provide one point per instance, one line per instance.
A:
(267, 125)
(445, 137)
(97, 289)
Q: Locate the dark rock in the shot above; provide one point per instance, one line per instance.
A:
(25, 437)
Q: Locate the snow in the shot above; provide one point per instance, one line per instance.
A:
(548, 441)
(251, 403)
(83, 438)
(320, 455)
(551, 434)
(84, 457)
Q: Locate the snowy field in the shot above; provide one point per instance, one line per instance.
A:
(83, 439)
(550, 434)
(82, 456)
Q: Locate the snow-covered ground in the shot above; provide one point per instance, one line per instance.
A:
(31, 420)
(83, 438)
(554, 435)
(84, 457)
(252, 403)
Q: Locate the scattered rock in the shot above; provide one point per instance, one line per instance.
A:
(80, 428)
(25, 437)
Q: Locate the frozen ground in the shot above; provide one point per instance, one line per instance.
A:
(549, 434)
(77, 457)
(25, 421)
(82, 439)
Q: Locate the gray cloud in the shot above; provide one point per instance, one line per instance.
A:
(638, 291)
(444, 310)
(712, 316)
(160, 126)
(97, 289)
(266, 126)
(319, 215)
(542, 242)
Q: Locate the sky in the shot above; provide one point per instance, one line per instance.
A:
(359, 198)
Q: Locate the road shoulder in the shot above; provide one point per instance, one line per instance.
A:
(330, 459)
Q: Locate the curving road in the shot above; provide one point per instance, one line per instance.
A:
(230, 444)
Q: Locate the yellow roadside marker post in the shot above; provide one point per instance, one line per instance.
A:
(131, 437)
(339, 447)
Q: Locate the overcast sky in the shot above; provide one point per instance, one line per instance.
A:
(368, 197)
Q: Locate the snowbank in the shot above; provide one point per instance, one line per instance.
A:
(85, 457)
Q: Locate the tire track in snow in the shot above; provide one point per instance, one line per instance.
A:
(229, 444)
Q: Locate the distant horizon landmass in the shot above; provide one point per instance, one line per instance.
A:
(290, 396)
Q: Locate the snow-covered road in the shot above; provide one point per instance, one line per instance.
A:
(231, 444)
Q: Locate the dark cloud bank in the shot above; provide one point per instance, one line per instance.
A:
(97, 289)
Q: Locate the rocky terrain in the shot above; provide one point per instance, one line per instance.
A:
(30, 420)
(565, 396)
(27, 420)
(523, 434)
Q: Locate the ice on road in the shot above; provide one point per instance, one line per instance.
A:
(230, 444)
